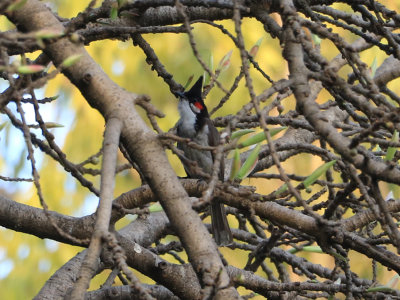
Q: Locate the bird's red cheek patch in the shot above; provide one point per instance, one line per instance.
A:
(198, 105)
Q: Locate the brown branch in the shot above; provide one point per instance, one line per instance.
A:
(110, 149)
(141, 143)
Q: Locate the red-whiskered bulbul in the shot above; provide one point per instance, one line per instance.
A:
(196, 125)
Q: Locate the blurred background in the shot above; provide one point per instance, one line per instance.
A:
(26, 262)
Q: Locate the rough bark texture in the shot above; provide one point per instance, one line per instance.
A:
(344, 112)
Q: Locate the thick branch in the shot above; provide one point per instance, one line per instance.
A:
(141, 143)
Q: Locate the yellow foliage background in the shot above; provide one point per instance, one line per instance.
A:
(34, 260)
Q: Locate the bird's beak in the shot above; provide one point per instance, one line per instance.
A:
(180, 95)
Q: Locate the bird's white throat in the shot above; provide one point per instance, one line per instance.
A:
(188, 119)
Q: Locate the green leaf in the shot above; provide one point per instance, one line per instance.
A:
(30, 69)
(312, 249)
(71, 60)
(381, 288)
(317, 173)
(316, 39)
(259, 137)
(235, 164)
(254, 50)
(391, 151)
(225, 62)
(16, 5)
(155, 208)
(240, 133)
(53, 125)
(114, 11)
(310, 179)
(54, 97)
(249, 164)
(282, 189)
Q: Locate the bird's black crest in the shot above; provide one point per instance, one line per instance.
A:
(195, 93)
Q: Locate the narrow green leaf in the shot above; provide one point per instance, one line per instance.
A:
(71, 60)
(276, 130)
(53, 125)
(310, 179)
(16, 5)
(259, 137)
(249, 164)
(235, 164)
(314, 249)
(225, 62)
(317, 173)
(114, 11)
(240, 133)
(391, 151)
(254, 139)
(282, 189)
(155, 208)
(30, 69)
(381, 288)
(254, 50)
(54, 97)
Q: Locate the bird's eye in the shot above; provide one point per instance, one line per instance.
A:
(195, 108)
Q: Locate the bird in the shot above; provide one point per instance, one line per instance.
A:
(195, 124)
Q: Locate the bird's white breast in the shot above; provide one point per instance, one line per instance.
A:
(187, 120)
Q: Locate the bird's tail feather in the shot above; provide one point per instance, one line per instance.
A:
(219, 224)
